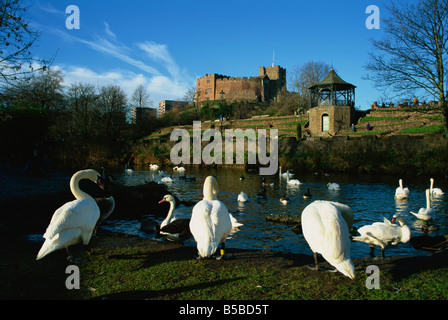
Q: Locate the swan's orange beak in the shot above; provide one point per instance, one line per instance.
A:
(163, 200)
(100, 183)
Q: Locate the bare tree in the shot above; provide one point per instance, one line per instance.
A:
(81, 103)
(305, 76)
(413, 54)
(191, 96)
(44, 89)
(112, 103)
(16, 40)
(140, 99)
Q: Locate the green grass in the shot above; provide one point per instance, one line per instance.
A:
(369, 119)
(133, 268)
(424, 129)
(366, 132)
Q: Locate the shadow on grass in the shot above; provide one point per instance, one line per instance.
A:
(152, 294)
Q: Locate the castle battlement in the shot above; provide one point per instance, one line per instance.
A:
(266, 86)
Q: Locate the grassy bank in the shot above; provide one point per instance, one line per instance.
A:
(126, 267)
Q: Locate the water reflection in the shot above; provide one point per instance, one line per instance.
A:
(370, 197)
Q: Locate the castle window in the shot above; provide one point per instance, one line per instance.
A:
(325, 123)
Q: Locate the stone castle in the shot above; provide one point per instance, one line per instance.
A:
(268, 85)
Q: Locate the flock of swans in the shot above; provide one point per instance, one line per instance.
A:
(325, 224)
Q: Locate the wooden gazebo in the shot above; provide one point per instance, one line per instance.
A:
(332, 91)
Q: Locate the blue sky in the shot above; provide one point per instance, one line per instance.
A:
(167, 45)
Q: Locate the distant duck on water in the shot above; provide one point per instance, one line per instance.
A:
(307, 194)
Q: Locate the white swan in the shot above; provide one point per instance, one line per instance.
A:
(333, 186)
(291, 182)
(381, 234)
(153, 167)
(179, 169)
(425, 213)
(327, 233)
(172, 228)
(75, 221)
(242, 197)
(400, 192)
(167, 179)
(127, 170)
(283, 175)
(235, 223)
(435, 191)
(210, 222)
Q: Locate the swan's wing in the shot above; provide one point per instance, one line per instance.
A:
(81, 214)
(326, 232)
(220, 218)
(202, 229)
(176, 226)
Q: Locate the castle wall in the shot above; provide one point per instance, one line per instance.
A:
(266, 86)
(239, 89)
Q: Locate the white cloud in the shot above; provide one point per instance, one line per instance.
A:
(159, 87)
(155, 67)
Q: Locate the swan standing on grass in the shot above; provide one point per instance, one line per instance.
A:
(381, 234)
(435, 191)
(400, 192)
(242, 197)
(171, 228)
(210, 222)
(291, 182)
(75, 221)
(425, 213)
(326, 232)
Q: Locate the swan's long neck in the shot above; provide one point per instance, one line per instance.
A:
(210, 189)
(431, 185)
(428, 200)
(287, 176)
(74, 187)
(401, 183)
(169, 215)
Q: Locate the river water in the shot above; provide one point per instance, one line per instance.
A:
(370, 196)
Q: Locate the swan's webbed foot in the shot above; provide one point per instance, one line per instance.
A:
(314, 268)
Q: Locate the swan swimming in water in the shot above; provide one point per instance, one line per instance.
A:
(400, 192)
(333, 186)
(179, 169)
(172, 228)
(75, 221)
(291, 182)
(435, 191)
(326, 232)
(106, 206)
(242, 197)
(210, 222)
(382, 234)
(425, 213)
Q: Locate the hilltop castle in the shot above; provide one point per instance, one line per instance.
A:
(270, 82)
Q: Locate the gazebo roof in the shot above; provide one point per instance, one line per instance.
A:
(332, 79)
